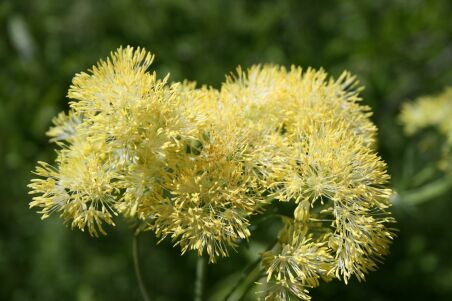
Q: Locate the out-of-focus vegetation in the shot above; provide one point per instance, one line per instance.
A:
(399, 49)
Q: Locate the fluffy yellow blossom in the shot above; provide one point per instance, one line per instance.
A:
(431, 111)
(79, 188)
(194, 164)
(323, 162)
(296, 264)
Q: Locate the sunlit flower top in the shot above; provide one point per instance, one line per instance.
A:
(431, 111)
(194, 164)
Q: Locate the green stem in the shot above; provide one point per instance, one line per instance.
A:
(249, 272)
(136, 266)
(248, 288)
(426, 192)
(200, 271)
(423, 176)
(243, 276)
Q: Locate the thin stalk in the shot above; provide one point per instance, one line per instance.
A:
(136, 265)
(248, 288)
(423, 176)
(243, 276)
(199, 284)
(427, 192)
(248, 273)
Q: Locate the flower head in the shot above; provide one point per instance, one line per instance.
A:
(431, 111)
(323, 162)
(194, 164)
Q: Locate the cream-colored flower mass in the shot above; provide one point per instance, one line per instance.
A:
(432, 111)
(194, 164)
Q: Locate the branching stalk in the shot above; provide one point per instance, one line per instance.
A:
(248, 275)
(199, 284)
(243, 277)
(136, 265)
(426, 192)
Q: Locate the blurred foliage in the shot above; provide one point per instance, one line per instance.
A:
(398, 48)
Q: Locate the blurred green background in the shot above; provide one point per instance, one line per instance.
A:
(399, 49)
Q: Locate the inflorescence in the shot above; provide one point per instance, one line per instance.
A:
(195, 164)
(432, 112)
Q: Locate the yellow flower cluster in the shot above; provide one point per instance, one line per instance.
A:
(194, 164)
(431, 111)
